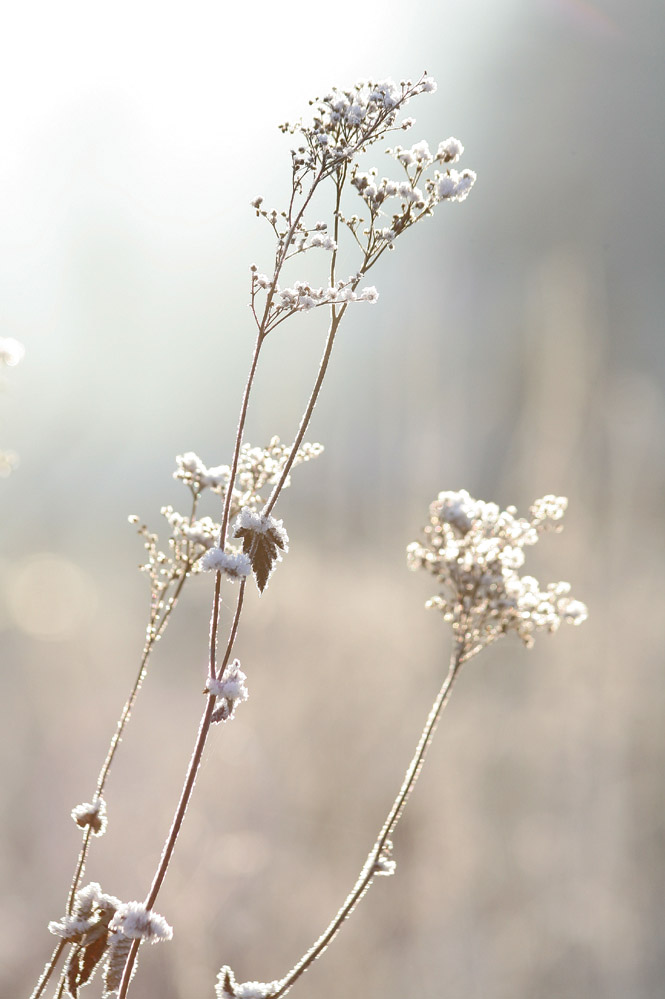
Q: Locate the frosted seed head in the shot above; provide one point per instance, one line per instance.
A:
(134, 920)
(91, 814)
(476, 551)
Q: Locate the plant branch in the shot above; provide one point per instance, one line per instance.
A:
(369, 869)
(185, 795)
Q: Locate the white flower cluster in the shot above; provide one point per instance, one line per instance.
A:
(302, 296)
(449, 151)
(228, 988)
(448, 186)
(204, 531)
(230, 690)
(194, 473)
(374, 192)
(346, 121)
(91, 814)
(92, 907)
(257, 467)
(452, 186)
(134, 920)
(475, 551)
(321, 240)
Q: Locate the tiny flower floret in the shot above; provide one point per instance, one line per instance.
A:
(449, 150)
(454, 186)
(475, 551)
(234, 565)
(135, 921)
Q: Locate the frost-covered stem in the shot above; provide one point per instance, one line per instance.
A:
(238, 444)
(304, 423)
(48, 970)
(185, 795)
(153, 637)
(323, 365)
(263, 328)
(367, 874)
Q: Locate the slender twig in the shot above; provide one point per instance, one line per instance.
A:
(369, 869)
(48, 970)
(336, 318)
(185, 795)
(236, 451)
(153, 637)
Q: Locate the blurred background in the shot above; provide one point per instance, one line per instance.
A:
(516, 349)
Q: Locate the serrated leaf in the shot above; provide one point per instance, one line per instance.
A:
(262, 549)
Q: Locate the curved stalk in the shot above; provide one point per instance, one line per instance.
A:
(369, 871)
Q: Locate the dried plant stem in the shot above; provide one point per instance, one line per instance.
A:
(48, 970)
(369, 869)
(336, 318)
(236, 450)
(153, 637)
(185, 795)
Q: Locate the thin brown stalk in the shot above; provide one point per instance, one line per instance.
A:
(369, 869)
(336, 318)
(48, 970)
(185, 795)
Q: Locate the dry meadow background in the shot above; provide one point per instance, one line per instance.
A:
(517, 349)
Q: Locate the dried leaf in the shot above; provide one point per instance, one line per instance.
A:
(83, 962)
(262, 549)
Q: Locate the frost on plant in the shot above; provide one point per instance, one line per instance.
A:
(100, 927)
(475, 551)
(233, 565)
(229, 691)
(91, 814)
(344, 124)
(192, 535)
(263, 540)
(136, 921)
(228, 988)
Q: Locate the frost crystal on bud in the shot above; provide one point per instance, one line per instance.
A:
(228, 988)
(449, 150)
(92, 908)
(234, 565)
(135, 921)
(229, 691)
(384, 864)
(91, 814)
(454, 186)
(475, 551)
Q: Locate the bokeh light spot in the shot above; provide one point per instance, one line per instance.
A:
(50, 598)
